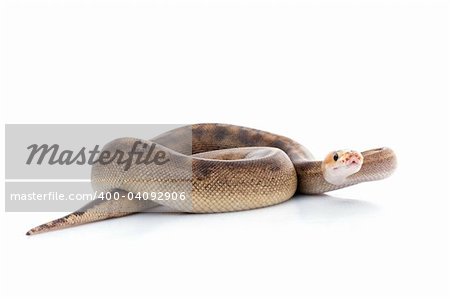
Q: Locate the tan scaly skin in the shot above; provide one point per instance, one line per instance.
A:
(224, 168)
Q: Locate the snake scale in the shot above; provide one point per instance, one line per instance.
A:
(223, 168)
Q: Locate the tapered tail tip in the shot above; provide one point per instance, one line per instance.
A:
(36, 230)
(50, 226)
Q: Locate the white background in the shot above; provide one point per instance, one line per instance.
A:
(330, 74)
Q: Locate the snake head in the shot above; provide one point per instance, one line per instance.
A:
(339, 165)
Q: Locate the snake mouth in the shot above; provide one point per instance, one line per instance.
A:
(348, 165)
(352, 164)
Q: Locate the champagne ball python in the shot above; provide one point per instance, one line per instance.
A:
(222, 168)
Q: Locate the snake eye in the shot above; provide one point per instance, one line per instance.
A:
(335, 157)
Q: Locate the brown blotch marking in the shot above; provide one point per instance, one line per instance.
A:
(220, 133)
(204, 171)
(198, 132)
(78, 213)
(274, 167)
(279, 144)
(244, 137)
(58, 221)
(257, 138)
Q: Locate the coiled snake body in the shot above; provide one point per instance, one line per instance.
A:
(222, 168)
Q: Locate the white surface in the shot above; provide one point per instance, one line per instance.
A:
(330, 74)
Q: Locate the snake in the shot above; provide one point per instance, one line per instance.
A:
(221, 168)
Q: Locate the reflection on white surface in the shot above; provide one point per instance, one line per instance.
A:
(331, 208)
(315, 208)
(300, 209)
